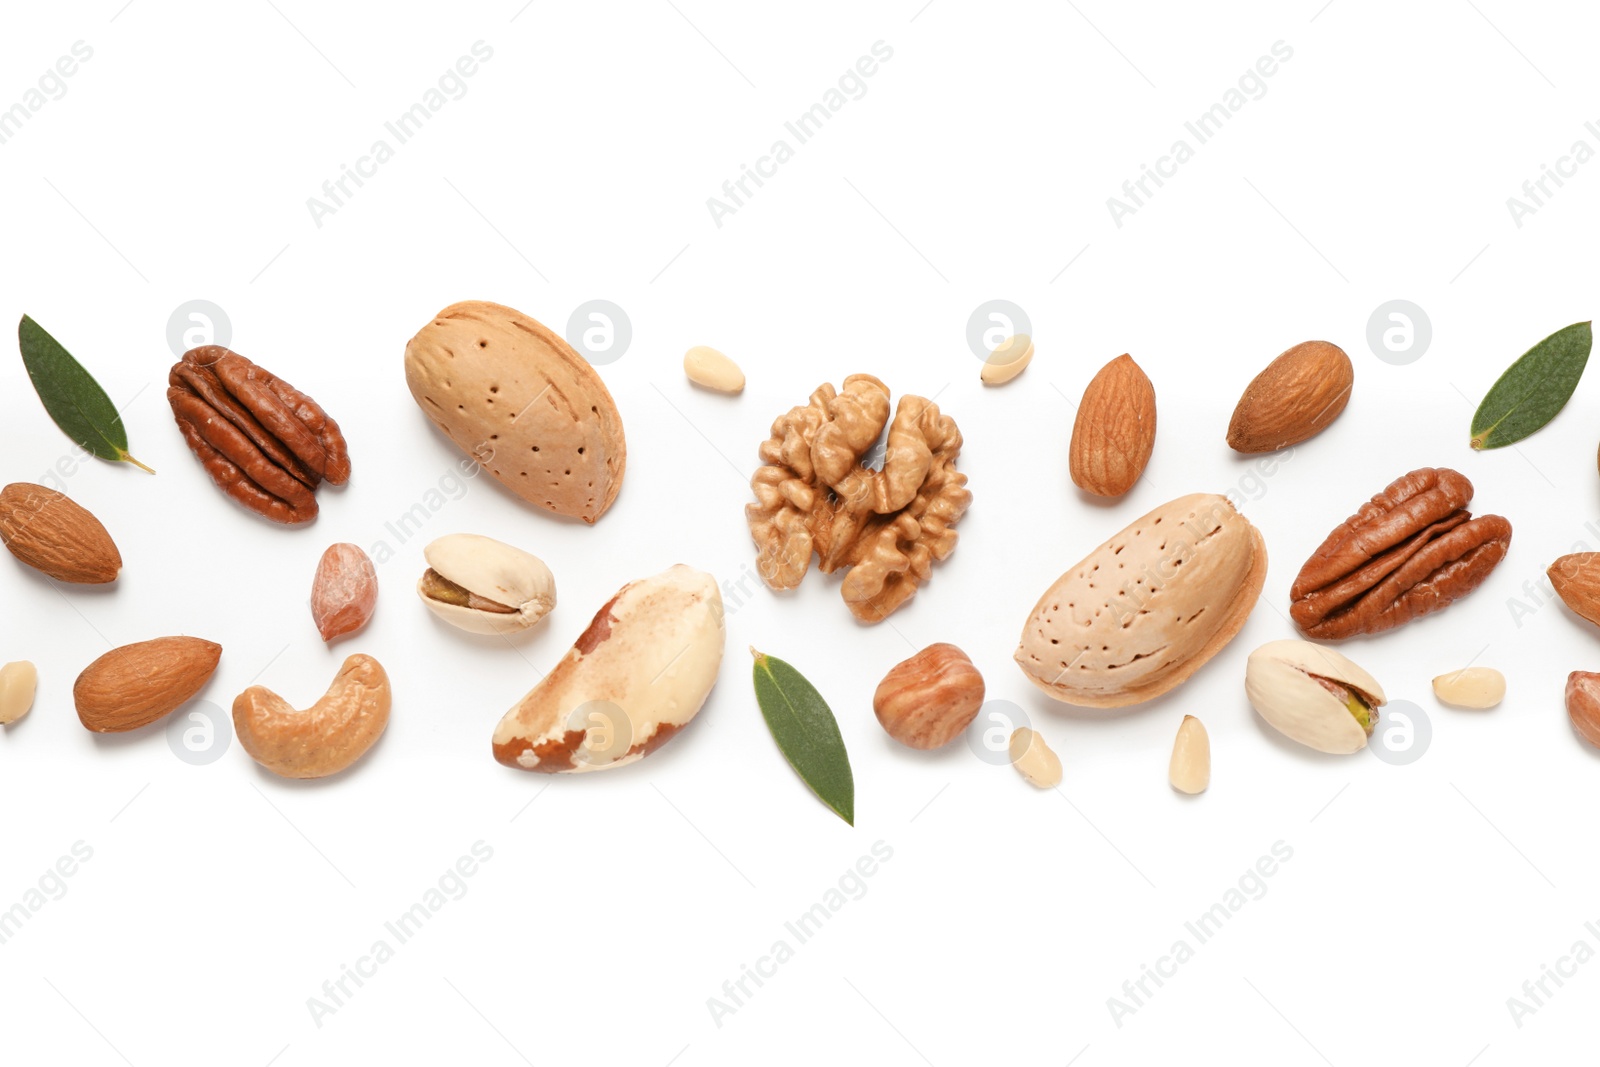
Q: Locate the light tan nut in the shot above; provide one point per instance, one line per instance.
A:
(18, 681)
(928, 700)
(325, 738)
(1472, 687)
(1033, 759)
(137, 684)
(1313, 695)
(516, 397)
(710, 369)
(1189, 771)
(1576, 579)
(344, 592)
(52, 534)
(1009, 359)
(636, 677)
(485, 586)
(1148, 608)
(1583, 705)
(1115, 430)
(1294, 399)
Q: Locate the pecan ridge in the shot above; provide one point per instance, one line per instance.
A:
(1411, 550)
(264, 443)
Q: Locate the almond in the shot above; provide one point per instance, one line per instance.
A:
(1576, 579)
(137, 684)
(1294, 399)
(1115, 431)
(53, 535)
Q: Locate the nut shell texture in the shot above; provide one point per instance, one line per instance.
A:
(1281, 682)
(516, 397)
(1148, 608)
(634, 678)
(494, 571)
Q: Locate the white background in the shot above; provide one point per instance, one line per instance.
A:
(977, 166)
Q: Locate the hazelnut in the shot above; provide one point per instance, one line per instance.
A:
(926, 701)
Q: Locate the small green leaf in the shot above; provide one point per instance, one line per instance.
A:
(1534, 389)
(806, 732)
(72, 397)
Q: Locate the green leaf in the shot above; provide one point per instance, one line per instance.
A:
(72, 397)
(1534, 389)
(806, 732)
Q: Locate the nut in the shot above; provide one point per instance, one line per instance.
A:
(634, 678)
(1148, 608)
(1009, 359)
(1472, 687)
(344, 592)
(889, 526)
(1033, 759)
(53, 535)
(1412, 550)
(265, 443)
(518, 399)
(1294, 399)
(484, 586)
(1576, 579)
(1583, 705)
(1189, 771)
(18, 681)
(1313, 695)
(137, 684)
(325, 738)
(712, 370)
(1115, 430)
(928, 700)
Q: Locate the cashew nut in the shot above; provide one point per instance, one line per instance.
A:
(325, 738)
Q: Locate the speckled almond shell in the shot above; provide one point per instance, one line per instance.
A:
(1148, 608)
(514, 395)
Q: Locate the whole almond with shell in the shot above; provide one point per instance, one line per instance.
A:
(1115, 431)
(1294, 399)
(1576, 580)
(137, 684)
(52, 534)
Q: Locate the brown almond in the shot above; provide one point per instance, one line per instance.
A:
(137, 684)
(1115, 431)
(1576, 579)
(52, 534)
(1294, 399)
(344, 592)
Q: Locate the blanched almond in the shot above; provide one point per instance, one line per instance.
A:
(1034, 760)
(17, 684)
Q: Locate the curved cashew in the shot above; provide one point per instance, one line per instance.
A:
(325, 738)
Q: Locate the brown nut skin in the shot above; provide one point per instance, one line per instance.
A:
(928, 700)
(1115, 430)
(1295, 398)
(56, 536)
(1410, 551)
(1583, 705)
(1576, 580)
(137, 684)
(325, 738)
(264, 443)
(344, 591)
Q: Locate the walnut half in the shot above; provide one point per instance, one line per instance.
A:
(815, 496)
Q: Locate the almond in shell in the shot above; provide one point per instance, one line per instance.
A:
(52, 534)
(1115, 430)
(1294, 399)
(137, 684)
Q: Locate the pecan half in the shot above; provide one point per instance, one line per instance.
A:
(264, 443)
(1411, 550)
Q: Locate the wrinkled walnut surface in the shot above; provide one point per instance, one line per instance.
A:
(815, 496)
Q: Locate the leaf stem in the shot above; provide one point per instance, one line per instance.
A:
(125, 457)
